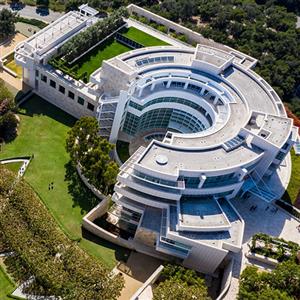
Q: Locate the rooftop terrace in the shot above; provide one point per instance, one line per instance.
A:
(201, 214)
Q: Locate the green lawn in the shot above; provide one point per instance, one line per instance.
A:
(11, 64)
(43, 130)
(14, 167)
(6, 285)
(143, 38)
(294, 185)
(109, 49)
(93, 60)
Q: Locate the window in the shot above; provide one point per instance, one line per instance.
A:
(280, 155)
(36, 73)
(43, 77)
(62, 89)
(71, 95)
(80, 100)
(52, 83)
(90, 106)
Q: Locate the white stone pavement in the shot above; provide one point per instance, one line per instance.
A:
(279, 224)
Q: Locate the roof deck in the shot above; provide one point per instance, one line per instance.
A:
(56, 32)
(201, 214)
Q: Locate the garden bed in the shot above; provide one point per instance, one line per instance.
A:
(273, 247)
(11, 64)
(85, 66)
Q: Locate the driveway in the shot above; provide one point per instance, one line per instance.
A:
(31, 13)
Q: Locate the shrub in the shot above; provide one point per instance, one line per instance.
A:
(162, 28)
(8, 126)
(41, 250)
(177, 282)
(38, 23)
(94, 34)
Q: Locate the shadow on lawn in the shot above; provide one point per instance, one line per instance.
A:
(121, 254)
(81, 195)
(38, 106)
(86, 200)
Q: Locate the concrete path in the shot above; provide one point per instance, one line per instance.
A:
(16, 83)
(9, 45)
(31, 13)
(298, 22)
(135, 272)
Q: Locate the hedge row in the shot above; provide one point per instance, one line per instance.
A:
(91, 36)
(34, 22)
(59, 266)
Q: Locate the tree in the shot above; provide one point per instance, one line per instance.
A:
(6, 99)
(94, 34)
(180, 283)
(59, 266)
(92, 153)
(178, 289)
(282, 283)
(7, 22)
(8, 126)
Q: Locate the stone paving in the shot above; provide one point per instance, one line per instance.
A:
(279, 224)
(14, 82)
(9, 45)
(138, 268)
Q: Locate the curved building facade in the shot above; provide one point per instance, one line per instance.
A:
(223, 133)
(203, 129)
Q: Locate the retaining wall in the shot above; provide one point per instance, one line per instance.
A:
(98, 212)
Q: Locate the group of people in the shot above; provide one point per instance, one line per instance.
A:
(273, 210)
(51, 186)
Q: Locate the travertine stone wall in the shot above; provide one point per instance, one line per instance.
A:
(145, 236)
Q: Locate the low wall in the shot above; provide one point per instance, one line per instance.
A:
(95, 191)
(149, 282)
(261, 258)
(192, 36)
(226, 280)
(97, 212)
(116, 157)
(9, 71)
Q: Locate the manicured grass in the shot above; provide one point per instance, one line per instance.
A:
(122, 150)
(11, 64)
(6, 285)
(294, 185)
(93, 60)
(143, 38)
(43, 131)
(85, 66)
(14, 167)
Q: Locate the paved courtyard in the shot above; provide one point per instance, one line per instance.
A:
(9, 45)
(263, 219)
(138, 268)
